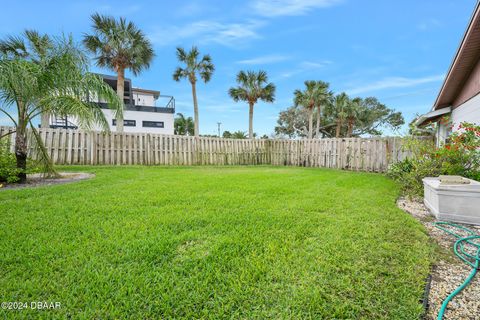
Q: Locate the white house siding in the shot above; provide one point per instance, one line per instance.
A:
(139, 117)
(143, 99)
(469, 111)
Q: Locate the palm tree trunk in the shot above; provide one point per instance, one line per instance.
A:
(120, 93)
(250, 120)
(310, 123)
(21, 150)
(351, 122)
(338, 129)
(195, 109)
(45, 120)
(317, 130)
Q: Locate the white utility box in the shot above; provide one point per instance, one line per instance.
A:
(452, 198)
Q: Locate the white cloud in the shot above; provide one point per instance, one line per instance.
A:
(303, 67)
(207, 31)
(272, 8)
(394, 82)
(273, 58)
(314, 65)
(429, 24)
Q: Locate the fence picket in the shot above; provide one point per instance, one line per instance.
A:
(89, 147)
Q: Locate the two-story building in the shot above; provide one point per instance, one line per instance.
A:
(146, 111)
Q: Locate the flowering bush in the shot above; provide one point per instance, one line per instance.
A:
(459, 156)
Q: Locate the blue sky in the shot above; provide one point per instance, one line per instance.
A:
(398, 51)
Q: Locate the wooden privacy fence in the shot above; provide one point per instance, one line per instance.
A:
(91, 147)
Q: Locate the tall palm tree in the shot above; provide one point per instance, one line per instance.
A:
(193, 66)
(57, 84)
(33, 46)
(119, 45)
(183, 125)
(308, 98)
(253, 86)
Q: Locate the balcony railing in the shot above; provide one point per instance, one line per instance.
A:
(167, 107)
(62, 123)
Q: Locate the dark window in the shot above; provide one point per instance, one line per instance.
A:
(126, 123)
(153, 124)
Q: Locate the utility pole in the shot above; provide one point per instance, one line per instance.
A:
(219, 124)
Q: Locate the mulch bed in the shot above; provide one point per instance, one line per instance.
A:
(37, 180)
(448, 272)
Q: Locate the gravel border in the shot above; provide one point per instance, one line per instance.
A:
(448, 271)
(37, 180)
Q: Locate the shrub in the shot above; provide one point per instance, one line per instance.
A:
(459, 156)
(8, 169)
(8, 164)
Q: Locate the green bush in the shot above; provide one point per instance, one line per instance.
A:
(8, 170)
(460, 156)
(8, 164)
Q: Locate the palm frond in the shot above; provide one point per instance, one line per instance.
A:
(192, 65)
(253, 86)
(179, 74)
(118, 44)
(13, 46)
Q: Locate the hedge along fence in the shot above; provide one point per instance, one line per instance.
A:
(92, 148)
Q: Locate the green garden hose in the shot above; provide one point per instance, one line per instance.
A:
(459, 248)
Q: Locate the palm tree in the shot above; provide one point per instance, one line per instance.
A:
(313, 96)
(340, 103)
(58, 83)
(193, 66)
(119, 45)
(239, 135)
(352, 112)
(33, 46)
(183, 125)
(253, 86)
(324, 96)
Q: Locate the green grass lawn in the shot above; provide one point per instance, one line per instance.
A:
(213, 242)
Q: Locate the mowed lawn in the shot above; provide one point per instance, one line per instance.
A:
(213, 242)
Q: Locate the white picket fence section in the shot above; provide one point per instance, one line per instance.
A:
(98, 148)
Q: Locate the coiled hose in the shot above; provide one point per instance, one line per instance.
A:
(460, 248)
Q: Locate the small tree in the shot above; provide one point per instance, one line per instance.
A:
(119, 45)
(253, 86)
(57, 84)
(193, 66)
(239, 135)
(183, 125)
(32, 46)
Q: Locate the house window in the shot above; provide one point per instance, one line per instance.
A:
(126, 123)
(153, 124)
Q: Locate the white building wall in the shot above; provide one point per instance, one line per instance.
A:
(143, 99)
(467, 112)
(139, 117)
